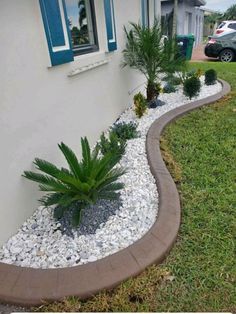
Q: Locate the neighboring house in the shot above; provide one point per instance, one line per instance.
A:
(60, 80)
(190, 17)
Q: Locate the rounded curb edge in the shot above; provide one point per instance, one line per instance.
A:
(31, 287)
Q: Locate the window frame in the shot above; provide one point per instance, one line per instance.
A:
(86, 49)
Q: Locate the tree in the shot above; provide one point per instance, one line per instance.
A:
(213, 18)
(230, 13)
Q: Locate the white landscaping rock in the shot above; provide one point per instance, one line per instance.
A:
(39, 244)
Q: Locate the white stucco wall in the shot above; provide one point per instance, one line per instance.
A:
(196, 25)
(42, 106)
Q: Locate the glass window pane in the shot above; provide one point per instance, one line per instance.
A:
(232, 26)
(221, 25)
(80, 22)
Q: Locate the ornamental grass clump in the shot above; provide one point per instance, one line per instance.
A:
(210, 77)
(173, 79)
(140, 105)
(169, 88)
(192, 87)
(199, 73)
(125, 131)
(82, 184)
(186, 74)
(112, 144)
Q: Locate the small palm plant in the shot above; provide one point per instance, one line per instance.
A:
(147, 52)
(143, 52)
(140, 105)
(82, 184)
(112, 144)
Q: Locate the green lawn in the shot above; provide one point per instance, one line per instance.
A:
(200, 272)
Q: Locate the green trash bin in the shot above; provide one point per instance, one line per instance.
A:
(185, 43)
(189, 52)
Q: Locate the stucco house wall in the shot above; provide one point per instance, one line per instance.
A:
(42, 106)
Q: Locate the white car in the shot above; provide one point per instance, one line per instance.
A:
(226, 27)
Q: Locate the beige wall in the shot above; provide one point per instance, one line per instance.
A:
(42, 106)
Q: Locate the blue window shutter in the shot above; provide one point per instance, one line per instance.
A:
(57, 31)
(110, 25)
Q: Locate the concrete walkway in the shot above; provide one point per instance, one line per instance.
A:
(199, 55)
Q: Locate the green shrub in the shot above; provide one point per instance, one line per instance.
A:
(140, 105)
(173, 79)
(192, 87)
(112, 144)
(82, 184)
(176, 81)
(169, 88)
(125, 131)
(210, 77)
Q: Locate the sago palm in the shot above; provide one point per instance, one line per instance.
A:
(82, 184)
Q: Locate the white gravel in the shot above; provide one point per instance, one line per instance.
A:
(39, 243)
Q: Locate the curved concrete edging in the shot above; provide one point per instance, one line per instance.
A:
(28, 286)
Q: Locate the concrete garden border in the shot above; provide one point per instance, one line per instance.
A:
(28, 286)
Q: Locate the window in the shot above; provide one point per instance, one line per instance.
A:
(232, 26)
(79, 24)
(221, 25)
(82, 25)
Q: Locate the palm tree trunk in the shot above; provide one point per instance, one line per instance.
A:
(175, 13)
(174, 26)
(151, 91)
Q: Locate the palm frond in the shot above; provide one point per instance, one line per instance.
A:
(71, 160)
(76, 217)
(46, 181)
(84, 183)
(62, 174)
(50, 199)
(46, 167)
(109, 195)
(85, 151)
(111, 177)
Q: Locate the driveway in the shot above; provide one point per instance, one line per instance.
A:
(199, 56)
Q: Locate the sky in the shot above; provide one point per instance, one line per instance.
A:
(73, 12)
(219, 5)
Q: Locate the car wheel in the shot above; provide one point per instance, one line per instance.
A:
(226, 55)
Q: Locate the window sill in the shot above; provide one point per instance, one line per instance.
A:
(88, 62)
